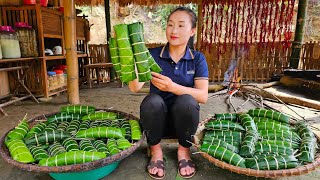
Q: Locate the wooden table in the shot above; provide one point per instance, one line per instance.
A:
(14, 71)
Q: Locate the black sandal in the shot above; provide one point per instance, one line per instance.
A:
(183, 164)
(158, 164)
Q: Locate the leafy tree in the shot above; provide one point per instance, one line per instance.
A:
(164, 10)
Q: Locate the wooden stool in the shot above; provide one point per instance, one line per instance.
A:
(20, 83)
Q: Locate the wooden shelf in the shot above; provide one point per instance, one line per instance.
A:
(63, 57)
(34, 58)
(48, 24)
(52, 36)
(54, 57)
(19, 59)
(50, 10)
(58, 87)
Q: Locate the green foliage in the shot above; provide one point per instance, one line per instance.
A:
(164, 10)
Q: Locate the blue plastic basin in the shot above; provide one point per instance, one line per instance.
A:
(85, 175)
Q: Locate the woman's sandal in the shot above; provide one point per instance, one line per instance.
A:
(183, 164)
(158, 164)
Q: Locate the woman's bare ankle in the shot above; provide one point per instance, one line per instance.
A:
(156, 152)
(183, 153)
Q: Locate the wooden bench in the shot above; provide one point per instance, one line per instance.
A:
(15, 73)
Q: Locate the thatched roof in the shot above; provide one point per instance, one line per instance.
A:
(153, 2)
(139, 2)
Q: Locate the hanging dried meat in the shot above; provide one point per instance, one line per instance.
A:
(246, 21)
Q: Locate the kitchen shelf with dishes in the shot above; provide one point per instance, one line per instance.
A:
(40, 32)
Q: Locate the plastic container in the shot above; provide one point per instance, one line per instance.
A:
(60, 67)
(44, 3)
(27, 39)
(65, 78)
(9, 43)
(94, 174)
(60, 76)
(52, 79)
(61, 9)
(30, 2)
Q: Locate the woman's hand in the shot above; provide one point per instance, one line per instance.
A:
(162, 82)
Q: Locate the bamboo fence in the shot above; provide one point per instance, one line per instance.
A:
(258, 63)
(310, 56)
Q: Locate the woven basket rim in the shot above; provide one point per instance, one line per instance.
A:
(4, 152)
(252, 172)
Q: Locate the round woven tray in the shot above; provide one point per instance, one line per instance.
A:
(252, 172)
(70, 168)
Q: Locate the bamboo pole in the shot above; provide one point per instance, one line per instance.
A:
(298, 37)
(71, 51)
(108, 18)
(108, 28)
(200, 22)
(287, 98)
(300, 83)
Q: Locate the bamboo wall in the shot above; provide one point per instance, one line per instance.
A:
(258, 63)
(310, 56)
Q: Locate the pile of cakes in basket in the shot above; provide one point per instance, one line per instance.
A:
(260, 139)
(77, 134)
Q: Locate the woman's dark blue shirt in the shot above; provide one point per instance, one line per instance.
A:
(192, 66)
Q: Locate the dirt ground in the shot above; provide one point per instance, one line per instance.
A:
(132, 167)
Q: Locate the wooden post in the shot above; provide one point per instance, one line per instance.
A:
(108, 19)
(199, 25)
(298, 37)
(1, 21)
(108, 27)
(71, 51)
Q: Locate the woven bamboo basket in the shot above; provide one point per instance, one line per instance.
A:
(70, 168)
(252, 172)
